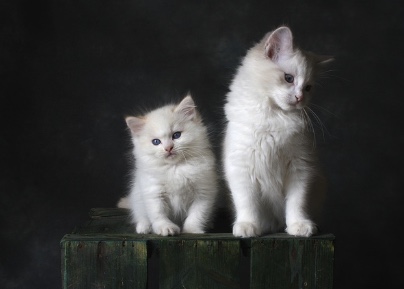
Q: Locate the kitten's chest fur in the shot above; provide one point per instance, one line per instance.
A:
(177, 180)
(273, 146)
(179, 189)
(279, 136)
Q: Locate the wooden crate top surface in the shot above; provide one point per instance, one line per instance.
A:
(114, 224)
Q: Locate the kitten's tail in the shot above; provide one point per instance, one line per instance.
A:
(124, 203)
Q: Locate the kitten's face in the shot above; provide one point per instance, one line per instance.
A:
(165, 137)
(288, 73)
(170, 134)
(294, 82)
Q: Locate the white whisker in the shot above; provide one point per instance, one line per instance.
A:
(319, 122)
(307, 119)
(323, 109)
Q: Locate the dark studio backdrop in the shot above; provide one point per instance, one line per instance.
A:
(71, 70)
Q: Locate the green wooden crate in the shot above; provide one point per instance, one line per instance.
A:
(104, 253)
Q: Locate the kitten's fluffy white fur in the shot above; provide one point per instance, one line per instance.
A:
(174, 184)
(268, 154)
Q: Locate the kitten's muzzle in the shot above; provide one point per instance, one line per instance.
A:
(299, 97)
(168, 149)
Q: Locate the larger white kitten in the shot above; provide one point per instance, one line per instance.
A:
(268, 153)
(175, 181)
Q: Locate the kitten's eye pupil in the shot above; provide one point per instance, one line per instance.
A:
(307, 88)
(156, 142)
(289, 78)
(176, 135)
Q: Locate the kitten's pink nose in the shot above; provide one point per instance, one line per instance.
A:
(169, 149)
(299, 97)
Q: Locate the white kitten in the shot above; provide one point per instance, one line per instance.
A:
(268, 154)
(175, 181)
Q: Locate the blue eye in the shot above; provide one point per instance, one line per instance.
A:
(176, 135)
(156, 142)
(289, 78)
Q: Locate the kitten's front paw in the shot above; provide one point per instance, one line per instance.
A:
(304, 228)
(166, 229)
(143, 228)
(245, 230)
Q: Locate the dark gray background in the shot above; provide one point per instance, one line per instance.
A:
(71, 70)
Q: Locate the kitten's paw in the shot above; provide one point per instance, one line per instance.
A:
(143, 228)
(166, 229)
(245, 230)
(303, 228)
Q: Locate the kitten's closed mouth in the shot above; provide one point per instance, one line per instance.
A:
(170, 155)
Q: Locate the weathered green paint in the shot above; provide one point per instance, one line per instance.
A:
(192, 263)
(292, 262)
(106, 253)
(218, 263)
(104, 264)
(177, 263)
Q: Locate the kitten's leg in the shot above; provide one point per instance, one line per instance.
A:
(157, 211)
(244, 190)
(297, 221)
(199, 215)
(246, 224)
(244, 195)
(139, 214)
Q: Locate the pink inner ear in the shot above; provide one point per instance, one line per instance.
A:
(135, 124)
(271, 53)
(187, 107)
(280, 42)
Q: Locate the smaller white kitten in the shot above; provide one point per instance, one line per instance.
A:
(268, 156)
(174, 184)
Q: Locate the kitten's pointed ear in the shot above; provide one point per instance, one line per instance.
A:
(135, 124)
(187, 108)
(279, 43)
